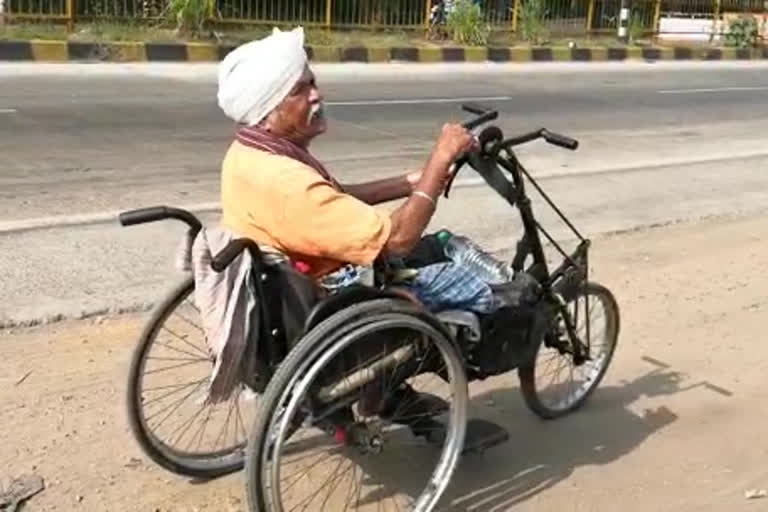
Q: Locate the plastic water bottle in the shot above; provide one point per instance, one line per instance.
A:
(463, 252)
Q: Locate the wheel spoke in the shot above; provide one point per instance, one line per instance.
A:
(172, 367)
(190, 322)
(223, 435)
(184, 340)
(597, 345)
(175, 406)
(194, 360)
(170, 393)
(169, 347)
(185, 426)
(200, 435)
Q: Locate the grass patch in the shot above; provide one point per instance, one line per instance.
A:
(110, 31)
(88, 32)
(32, 31)
(234, 35)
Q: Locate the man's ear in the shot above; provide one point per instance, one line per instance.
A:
(269, 120)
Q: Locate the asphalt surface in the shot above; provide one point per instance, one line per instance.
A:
(79, 143)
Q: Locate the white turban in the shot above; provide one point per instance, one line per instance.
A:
(255, 77)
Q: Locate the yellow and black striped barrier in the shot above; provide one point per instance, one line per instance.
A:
(69, 51)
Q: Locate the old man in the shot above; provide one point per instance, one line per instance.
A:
(275, 192)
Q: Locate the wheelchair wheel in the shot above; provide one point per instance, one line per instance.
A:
(341, 424)
(554, 356)
(167, 384)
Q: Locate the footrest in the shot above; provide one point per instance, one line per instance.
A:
(482, 434)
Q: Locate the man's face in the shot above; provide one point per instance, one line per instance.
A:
(300, 116)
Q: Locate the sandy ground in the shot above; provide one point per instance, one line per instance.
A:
(678, 424)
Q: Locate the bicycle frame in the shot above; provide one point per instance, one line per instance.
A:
(575, 265)
(531, 243)
(573, 271)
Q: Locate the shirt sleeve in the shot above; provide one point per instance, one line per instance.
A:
(315, 219)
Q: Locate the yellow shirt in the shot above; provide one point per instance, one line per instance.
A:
(280, 202)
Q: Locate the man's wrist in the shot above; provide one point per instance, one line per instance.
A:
(441, 159)
(413, 178)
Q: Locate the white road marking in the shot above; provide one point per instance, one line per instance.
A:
(415, 101)
(85, 219)
(342, 72)
(717, 89)
(7, 111)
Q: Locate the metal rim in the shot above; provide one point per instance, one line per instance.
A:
(591, 370)
(202, 460)
(305, 376)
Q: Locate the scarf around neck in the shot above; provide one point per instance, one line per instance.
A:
(258, 138)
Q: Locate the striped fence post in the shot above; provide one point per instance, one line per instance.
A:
(590, 17)
(656, 18)
(70, 15)
(515, 11)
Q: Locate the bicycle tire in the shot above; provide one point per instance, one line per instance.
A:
(288, 371)
(212, 465)
(527, 373)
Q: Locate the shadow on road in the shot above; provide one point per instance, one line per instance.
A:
(541, 454)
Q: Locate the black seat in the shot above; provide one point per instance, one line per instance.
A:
(285, 298)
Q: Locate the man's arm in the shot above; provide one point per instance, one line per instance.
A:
(387, 189)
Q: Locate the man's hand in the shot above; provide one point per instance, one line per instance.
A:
(411, 218)
(454, 142)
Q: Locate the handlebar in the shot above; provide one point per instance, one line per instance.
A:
(156, 213)
(491, 138)
(227, 255)
(553, 138)
(559, 140)
(483, 115)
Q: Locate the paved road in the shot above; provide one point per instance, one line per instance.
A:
(80, 142)
(110, 141)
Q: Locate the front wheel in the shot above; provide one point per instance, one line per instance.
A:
(555, 355)
(342, 424)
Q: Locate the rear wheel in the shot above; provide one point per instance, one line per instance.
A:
(167, 385)
(315, 446)
(554, 357)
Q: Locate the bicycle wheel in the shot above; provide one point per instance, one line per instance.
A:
(167, 384)
(582, 379)
(384, 347)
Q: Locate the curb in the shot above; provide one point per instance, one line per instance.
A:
(70, 51)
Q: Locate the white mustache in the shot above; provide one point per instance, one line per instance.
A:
(315, 111)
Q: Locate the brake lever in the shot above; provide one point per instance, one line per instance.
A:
(483, 116)
(458, 165)
(461, 162)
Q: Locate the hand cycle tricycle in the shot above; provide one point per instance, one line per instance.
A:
(344, 367)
